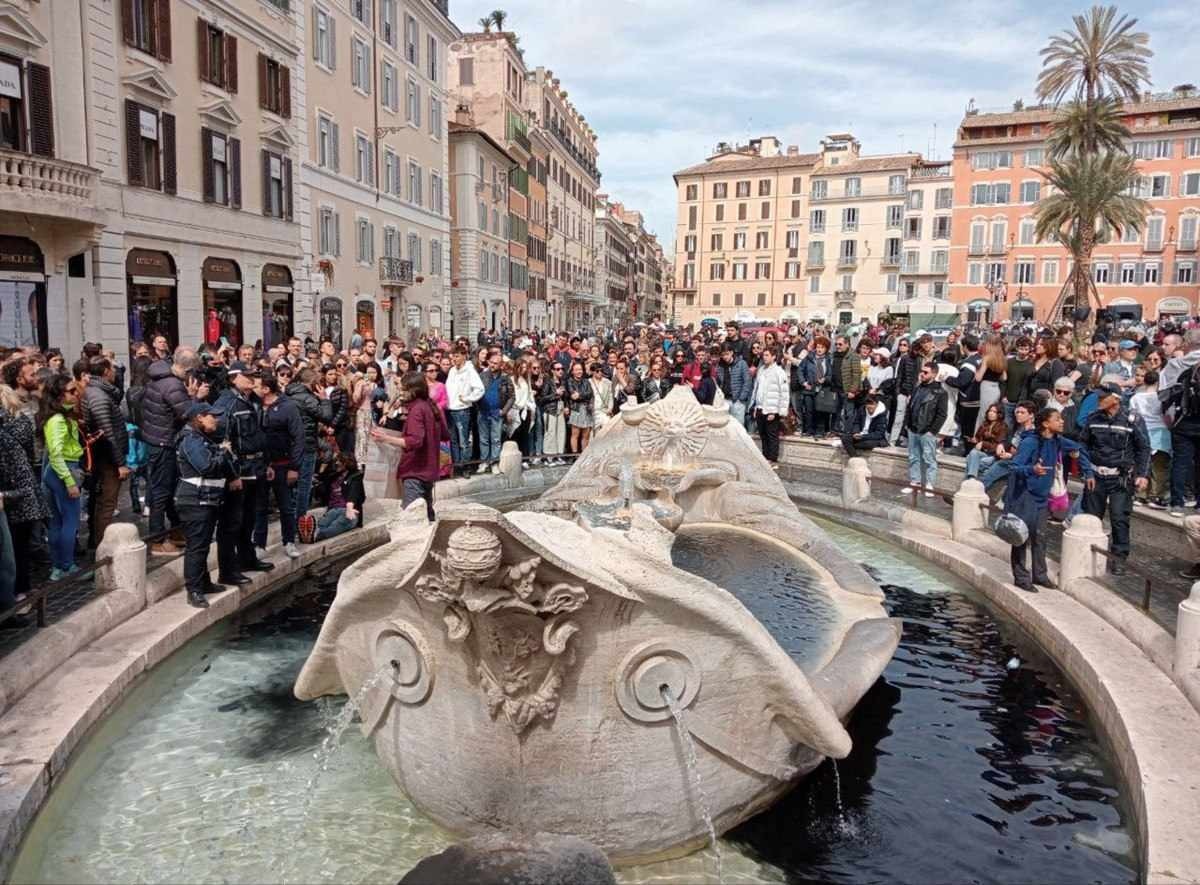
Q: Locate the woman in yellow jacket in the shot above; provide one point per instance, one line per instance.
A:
(61, 474)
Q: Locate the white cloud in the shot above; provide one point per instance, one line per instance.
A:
(662, 81)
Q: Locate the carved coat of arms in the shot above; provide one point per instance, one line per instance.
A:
(521, 624)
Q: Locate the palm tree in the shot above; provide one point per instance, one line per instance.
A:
(1092, 128)
(1096, 66)
(486, 24)
(1103, 55)
(1089, 200)
(499, 16)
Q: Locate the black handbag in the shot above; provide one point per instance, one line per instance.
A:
(826, 401)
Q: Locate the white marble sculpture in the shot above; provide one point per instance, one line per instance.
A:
(520, 661)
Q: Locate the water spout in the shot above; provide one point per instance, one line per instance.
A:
(692, 764)
(626, 480)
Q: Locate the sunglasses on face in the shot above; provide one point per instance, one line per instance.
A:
(1062, 393)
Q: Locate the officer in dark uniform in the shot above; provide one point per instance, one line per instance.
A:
(240, 422)
(205, 466)
(1119, 446)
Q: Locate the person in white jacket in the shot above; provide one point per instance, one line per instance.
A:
(770, 400)
(463, 388)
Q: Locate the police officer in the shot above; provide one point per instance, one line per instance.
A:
(1119, 447)
(205, 466)
(240, 422)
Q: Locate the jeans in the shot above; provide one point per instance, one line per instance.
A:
(1185, 450)
(996, 473)
(334, 522)
(488, 428)
(198, 525)
(922, 453)
(285, 500)
(8, 568)
(536, 431)
(413, 489)
(737, 411)
(163, 474)
(303, 488)
(64, 518)
(460, 435)
(977, 461)
(898, 423)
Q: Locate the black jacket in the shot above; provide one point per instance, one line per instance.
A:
(927, 409)
(283, 429)
(313, 411)
(240, 422)
(1120, 441)
(204, 468)
(964, 382)
(908, 370)
(164, 407)
(339, 404)
(101, 413)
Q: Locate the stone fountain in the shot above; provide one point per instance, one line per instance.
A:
(529, 660)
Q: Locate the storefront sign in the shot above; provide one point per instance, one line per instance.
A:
(148, 122)
(221, 270)
(276, 278)
(145, 263)
(10, 80)
(20, 259)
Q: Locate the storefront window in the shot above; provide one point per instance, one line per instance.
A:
(276, 304)
(22, 294)
(151, 293)
(412, 316)
(222, 302)
(364, 318)
(331, 321)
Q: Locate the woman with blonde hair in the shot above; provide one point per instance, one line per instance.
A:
(991, 373)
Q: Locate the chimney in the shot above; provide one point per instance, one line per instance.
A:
(768, 146)
(793, 150)
(462, 115)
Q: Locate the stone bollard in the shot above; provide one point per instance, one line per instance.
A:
(127, 571)
(856, 482)
(511, 467)
(968, 514)
(1187, 635)
(1078, 560)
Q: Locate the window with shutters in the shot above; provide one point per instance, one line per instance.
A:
(816, 254)
(466, 72)
(361, 10)
(327, 143)
(433, 56)
(944, 198)
(850, 218)
(1030, 190)
(691, 192)
(743, 189)
(329, 239)
(1028, 226)
(820, 189)
(415, 191)
(435, 257)
(387, 22)
(764, 187)
(274, 86)
(364, 241)
(435, 193)
(324, 39)
(941, 227)
(765, 210)
(852, 187)
(1100, 272)
(912, 228)
(277, 185)
(26, 109)
(814, 284)
(218, 56)
(741, 211)
(1151, 273)
(720, 212)
(916, 199)
(1024, 273)
(149, 140)
(412, 104)
(716, 270)
(435, 116)
(739, 242)
(762, 239)
(762, 270)
(364, 159)
(360, 66)
(412, 40)
(816, 221)
(716, 242)
(895, 216)
(1185, 272)
(895, 184)
(1049, 272)
(147, 26)
(1189, 184)
(222, 168)
(720, 190)
(389, 93)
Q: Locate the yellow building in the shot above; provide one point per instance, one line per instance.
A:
(765, 232)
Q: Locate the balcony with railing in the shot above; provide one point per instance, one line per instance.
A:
(942, 171)
(977, 249)
(395, 272)
(847, 262)
(1154, 246)
(45, 186)
(576, 154)
(1186, 245)
(997, 249)
(845, 296)
(890, 261)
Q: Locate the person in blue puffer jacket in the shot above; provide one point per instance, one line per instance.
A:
(1033, 469)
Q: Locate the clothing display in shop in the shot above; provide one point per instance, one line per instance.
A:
(229, 323)
(18, 313)
(275, 327)
(212, 328)
(150, 318)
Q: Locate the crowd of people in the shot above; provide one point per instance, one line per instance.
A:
(207, 441)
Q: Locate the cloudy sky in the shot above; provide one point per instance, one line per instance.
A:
(662, 81)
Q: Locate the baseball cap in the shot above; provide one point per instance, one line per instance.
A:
(1107, 390)
(237, 367)
(198, 408)
(1128, 344)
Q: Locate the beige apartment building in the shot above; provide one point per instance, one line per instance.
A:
(487, 77)
(50, 209)
(479, 243)
(539, 173)
(194, 129)
(616, 253)
(375, 213)
(572, 181)
(765, 232)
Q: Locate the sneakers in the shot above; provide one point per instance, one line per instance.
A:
(1156, 504)
(292, 551)
(910, 489)
(306, 527)
(57, 574)
(1176, 512)
(146, 511)
(483, 468)
(928, 490)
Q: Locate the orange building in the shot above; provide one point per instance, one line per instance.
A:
(998, 161)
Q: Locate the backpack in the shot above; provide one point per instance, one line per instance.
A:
(1186, 394)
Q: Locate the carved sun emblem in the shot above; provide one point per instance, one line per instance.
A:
(673, 429)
